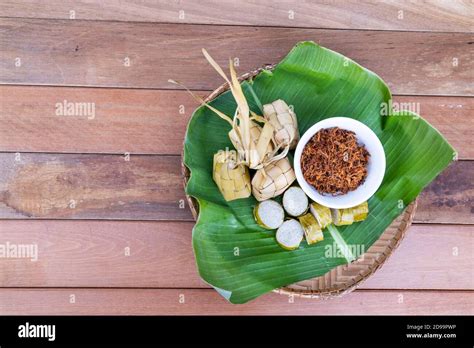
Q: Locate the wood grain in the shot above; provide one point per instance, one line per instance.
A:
(83, 53)
(159, 255)
(146, 267)
(208, 302)
(130, 120)
(91, 186)
(380, 15)
(70, 186)
(154, 121)
(450, 197)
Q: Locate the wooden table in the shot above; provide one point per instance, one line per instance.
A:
(101, 195)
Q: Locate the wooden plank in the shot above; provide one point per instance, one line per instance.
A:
(59, 52)
(159, 255)
(450, 197)
(132, 120)
(380, 15)
(154, 121)
(208, 302)
(430, 257)
(452, 116)
(71, 186)
(91, 186)
(122, 254)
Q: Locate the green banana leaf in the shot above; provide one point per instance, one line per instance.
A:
(243, 261)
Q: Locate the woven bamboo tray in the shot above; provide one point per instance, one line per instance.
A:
(342, 279)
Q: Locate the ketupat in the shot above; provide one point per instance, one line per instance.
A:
(257, 135)
(254, 152)
(232, 179)
(256, 146)
(284, 121)
(252, 142)
(272, 180)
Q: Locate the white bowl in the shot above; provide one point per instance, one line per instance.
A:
(375, 168)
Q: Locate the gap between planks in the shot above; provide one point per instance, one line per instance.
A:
(201, 90)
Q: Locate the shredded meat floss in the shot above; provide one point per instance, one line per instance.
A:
(333, 162)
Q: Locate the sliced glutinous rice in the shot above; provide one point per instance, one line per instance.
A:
(269, 214)
(295, 201)
(290, 234)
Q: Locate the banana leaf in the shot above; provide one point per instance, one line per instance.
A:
(242, 260)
